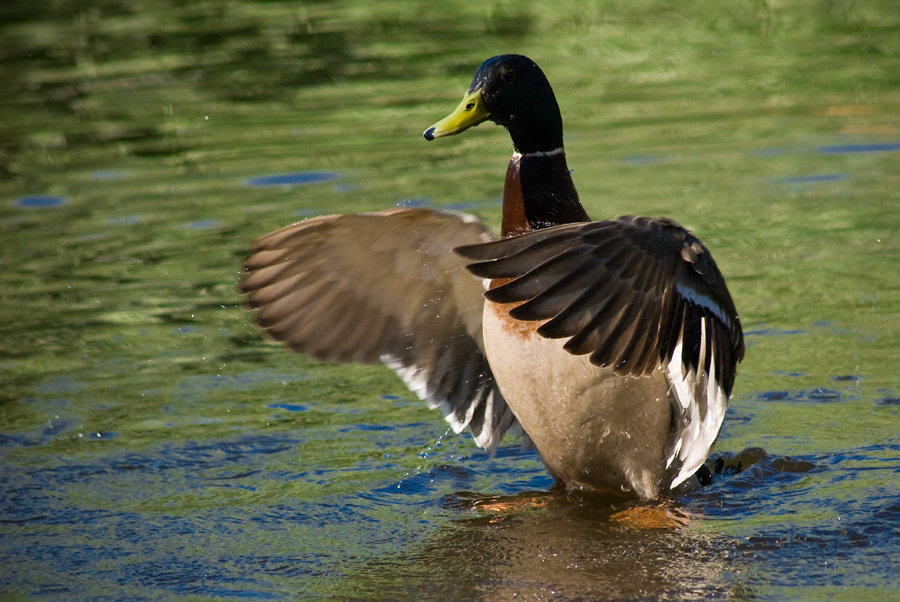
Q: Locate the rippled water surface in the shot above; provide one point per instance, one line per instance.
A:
(153, 445)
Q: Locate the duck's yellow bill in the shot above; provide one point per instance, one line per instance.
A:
(470, 112)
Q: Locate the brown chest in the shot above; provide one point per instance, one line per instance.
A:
(519, 329)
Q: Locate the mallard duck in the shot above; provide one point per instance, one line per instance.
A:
(612, 344)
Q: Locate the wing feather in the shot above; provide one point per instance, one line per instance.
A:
(591, 281)
(384, 287)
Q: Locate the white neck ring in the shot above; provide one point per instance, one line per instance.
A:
(550, 153)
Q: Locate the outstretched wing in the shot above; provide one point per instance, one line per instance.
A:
(638, 294)
(384, 286)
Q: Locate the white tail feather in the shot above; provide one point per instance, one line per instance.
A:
(698, 434)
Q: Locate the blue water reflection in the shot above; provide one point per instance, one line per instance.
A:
(292, 179)
(860, 148)
(40, 202)
(830, 177)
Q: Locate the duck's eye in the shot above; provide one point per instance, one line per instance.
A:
(509, 76)
(470, 106)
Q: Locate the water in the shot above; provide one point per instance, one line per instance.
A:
(154, 445)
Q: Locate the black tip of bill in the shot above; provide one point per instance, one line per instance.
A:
(429, 133)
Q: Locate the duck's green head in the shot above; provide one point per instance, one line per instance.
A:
(512, 91)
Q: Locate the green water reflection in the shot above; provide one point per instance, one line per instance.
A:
(153, 444)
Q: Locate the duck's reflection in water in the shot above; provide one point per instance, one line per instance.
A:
(569, 545)
(548, 545)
